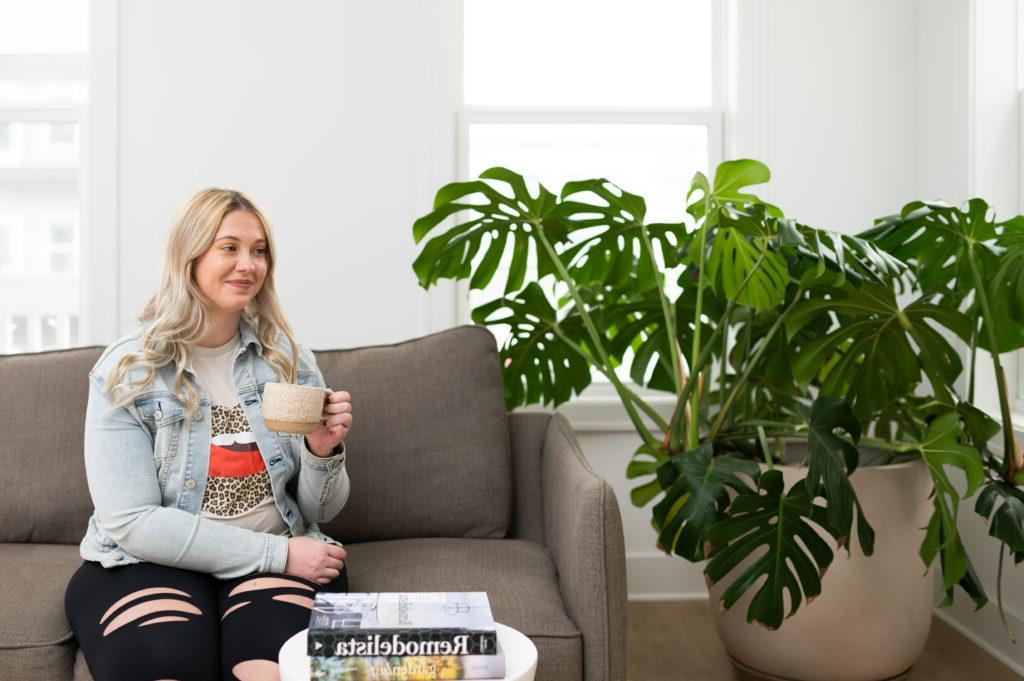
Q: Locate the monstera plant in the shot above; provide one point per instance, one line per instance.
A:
(766, 331)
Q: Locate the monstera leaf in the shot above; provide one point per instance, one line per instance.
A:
(638, 323)
(869, 357)
(501, 220)
(1006, 290)
(613, 222)
(1006, 523)
(537, 367)
(845, 257)
(743, 247)
(796, 557)
(645, 462)
(937, 239)
(831, 459)
(696, 485)
(940, 447)
(731, 177)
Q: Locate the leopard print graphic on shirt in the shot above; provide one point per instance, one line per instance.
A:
(228, 420)
(238, 479)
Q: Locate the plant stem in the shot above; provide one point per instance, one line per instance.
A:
(670, 318)
(725, 362)
(692, 438)
(901, 447)
(765, 448)
(720, 326)
(647, 409)
(974, 362)
(748, 334)
(1011, 454)
(720, 418)
(999, 594)
(624, 395)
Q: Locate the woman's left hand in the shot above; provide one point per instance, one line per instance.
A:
(334, 426)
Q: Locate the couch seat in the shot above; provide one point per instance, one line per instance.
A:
(35, 637)
(518, 576)
(36, 641)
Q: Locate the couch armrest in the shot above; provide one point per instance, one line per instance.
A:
(583, 532)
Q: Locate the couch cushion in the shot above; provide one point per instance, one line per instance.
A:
(518, 576)
(43, 493)
(35, 638)
(82, 672)
(428, 451)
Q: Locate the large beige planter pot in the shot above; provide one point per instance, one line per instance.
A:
(872, 618)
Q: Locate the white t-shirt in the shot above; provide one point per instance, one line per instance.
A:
(238, 488)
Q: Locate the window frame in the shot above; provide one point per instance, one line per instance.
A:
(48, 219)
(1016, 371)
(599, 408)
(75, 114)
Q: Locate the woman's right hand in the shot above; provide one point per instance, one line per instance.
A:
(314, 560)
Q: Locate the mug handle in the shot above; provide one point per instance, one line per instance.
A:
(327, 392)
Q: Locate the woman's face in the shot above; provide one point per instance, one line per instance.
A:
(238, 256)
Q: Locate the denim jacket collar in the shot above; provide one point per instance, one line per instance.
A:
(248, 334)
(245, 330)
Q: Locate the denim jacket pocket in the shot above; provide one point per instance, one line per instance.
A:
(163, 415)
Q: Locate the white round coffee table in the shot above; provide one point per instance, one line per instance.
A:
(520, 656)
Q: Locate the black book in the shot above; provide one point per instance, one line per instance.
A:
(401, 624)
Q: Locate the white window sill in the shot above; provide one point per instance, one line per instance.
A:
(599, 409)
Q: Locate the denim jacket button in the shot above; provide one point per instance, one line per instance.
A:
(198, 416)
(158, 415)
(190, 483)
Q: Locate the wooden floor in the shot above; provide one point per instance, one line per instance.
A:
(676, 641)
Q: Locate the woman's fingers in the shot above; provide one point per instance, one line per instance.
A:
(327, 574)
(339, 396)
(338, 420)
(336, 552)
(343, 408)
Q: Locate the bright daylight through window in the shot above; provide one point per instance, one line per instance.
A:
(43, 93)
(596, 92)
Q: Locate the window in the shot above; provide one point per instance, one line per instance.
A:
(18, 333)
(63, 133)
(598, 91)
(44, 55)
(62, 245)
(6, 248)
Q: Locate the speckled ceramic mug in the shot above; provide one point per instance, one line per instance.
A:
(290, 408)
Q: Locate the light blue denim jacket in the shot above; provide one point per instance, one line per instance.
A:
(147, 469)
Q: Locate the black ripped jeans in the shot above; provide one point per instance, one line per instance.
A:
(149, 621)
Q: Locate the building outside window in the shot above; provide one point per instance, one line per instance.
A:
(6, 248)
(43, 94)
(598, 92)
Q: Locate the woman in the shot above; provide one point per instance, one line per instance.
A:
(203, 553)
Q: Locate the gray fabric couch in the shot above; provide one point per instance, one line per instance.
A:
(449, 493)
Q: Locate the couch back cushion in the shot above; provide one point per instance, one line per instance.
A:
(428, 454)
(43, 493)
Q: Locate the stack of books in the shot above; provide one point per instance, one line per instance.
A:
(403, 637)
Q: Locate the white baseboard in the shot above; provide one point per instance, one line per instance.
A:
(985, 630)
(653, 576)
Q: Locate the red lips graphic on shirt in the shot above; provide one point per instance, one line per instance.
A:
(237, 460)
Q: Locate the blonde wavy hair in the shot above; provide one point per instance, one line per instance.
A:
(182, 314)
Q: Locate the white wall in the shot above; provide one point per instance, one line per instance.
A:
(990, 35)
(315, 110)
(838, 107)
(339, 119)
(859, 108)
